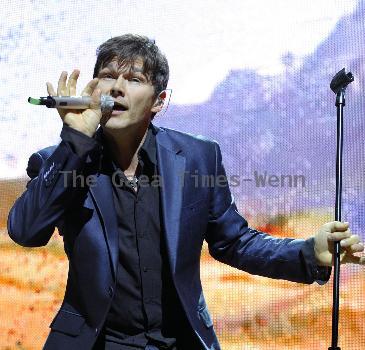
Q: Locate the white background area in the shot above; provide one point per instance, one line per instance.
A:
(203, 41)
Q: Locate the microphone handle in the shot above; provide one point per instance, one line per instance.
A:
(81, 102)
(70, 102)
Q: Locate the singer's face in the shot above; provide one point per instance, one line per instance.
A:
(130, 87)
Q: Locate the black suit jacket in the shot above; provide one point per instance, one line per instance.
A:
(86, 219)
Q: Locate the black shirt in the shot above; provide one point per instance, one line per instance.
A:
(135, 316)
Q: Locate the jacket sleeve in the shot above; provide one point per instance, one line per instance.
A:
(51, 188)
(232, 241)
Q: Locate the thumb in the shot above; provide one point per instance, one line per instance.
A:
(95, 99)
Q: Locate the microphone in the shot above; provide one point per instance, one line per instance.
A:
(107, 104)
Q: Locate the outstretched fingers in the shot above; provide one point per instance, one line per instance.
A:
(61, 86)
(50, 89)
(72, 81)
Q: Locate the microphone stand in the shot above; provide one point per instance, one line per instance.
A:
(338, 86)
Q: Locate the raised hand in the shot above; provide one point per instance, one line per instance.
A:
(85, 121)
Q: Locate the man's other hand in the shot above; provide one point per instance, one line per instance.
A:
(350, 244)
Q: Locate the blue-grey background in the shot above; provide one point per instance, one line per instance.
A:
(253, 75)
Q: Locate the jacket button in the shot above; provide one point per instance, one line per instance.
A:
(110, 291)
(96, 331)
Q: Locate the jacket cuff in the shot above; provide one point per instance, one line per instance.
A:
(81, 144)
(319, 274)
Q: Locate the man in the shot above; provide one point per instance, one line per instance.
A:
(133, 220)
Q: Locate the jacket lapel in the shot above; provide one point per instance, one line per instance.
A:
(102, 193)
(171, 168)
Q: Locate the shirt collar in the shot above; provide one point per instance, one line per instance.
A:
(146, 152)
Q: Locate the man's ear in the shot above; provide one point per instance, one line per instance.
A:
(160, 100)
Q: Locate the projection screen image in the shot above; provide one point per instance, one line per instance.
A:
(252, 75)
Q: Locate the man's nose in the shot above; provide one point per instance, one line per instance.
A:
(118, 89)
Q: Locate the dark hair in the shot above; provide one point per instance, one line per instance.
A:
(127, 49)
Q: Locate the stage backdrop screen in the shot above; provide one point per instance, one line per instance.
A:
(252, 75)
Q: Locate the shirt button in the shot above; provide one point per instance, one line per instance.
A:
(96, 331)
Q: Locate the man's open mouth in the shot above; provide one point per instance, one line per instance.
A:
(119, 107)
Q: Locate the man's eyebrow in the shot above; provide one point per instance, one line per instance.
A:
(110, 67)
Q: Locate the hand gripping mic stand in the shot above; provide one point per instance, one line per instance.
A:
(338, 86)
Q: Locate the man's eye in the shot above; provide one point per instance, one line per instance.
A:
(137, 80)
(107, 76)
